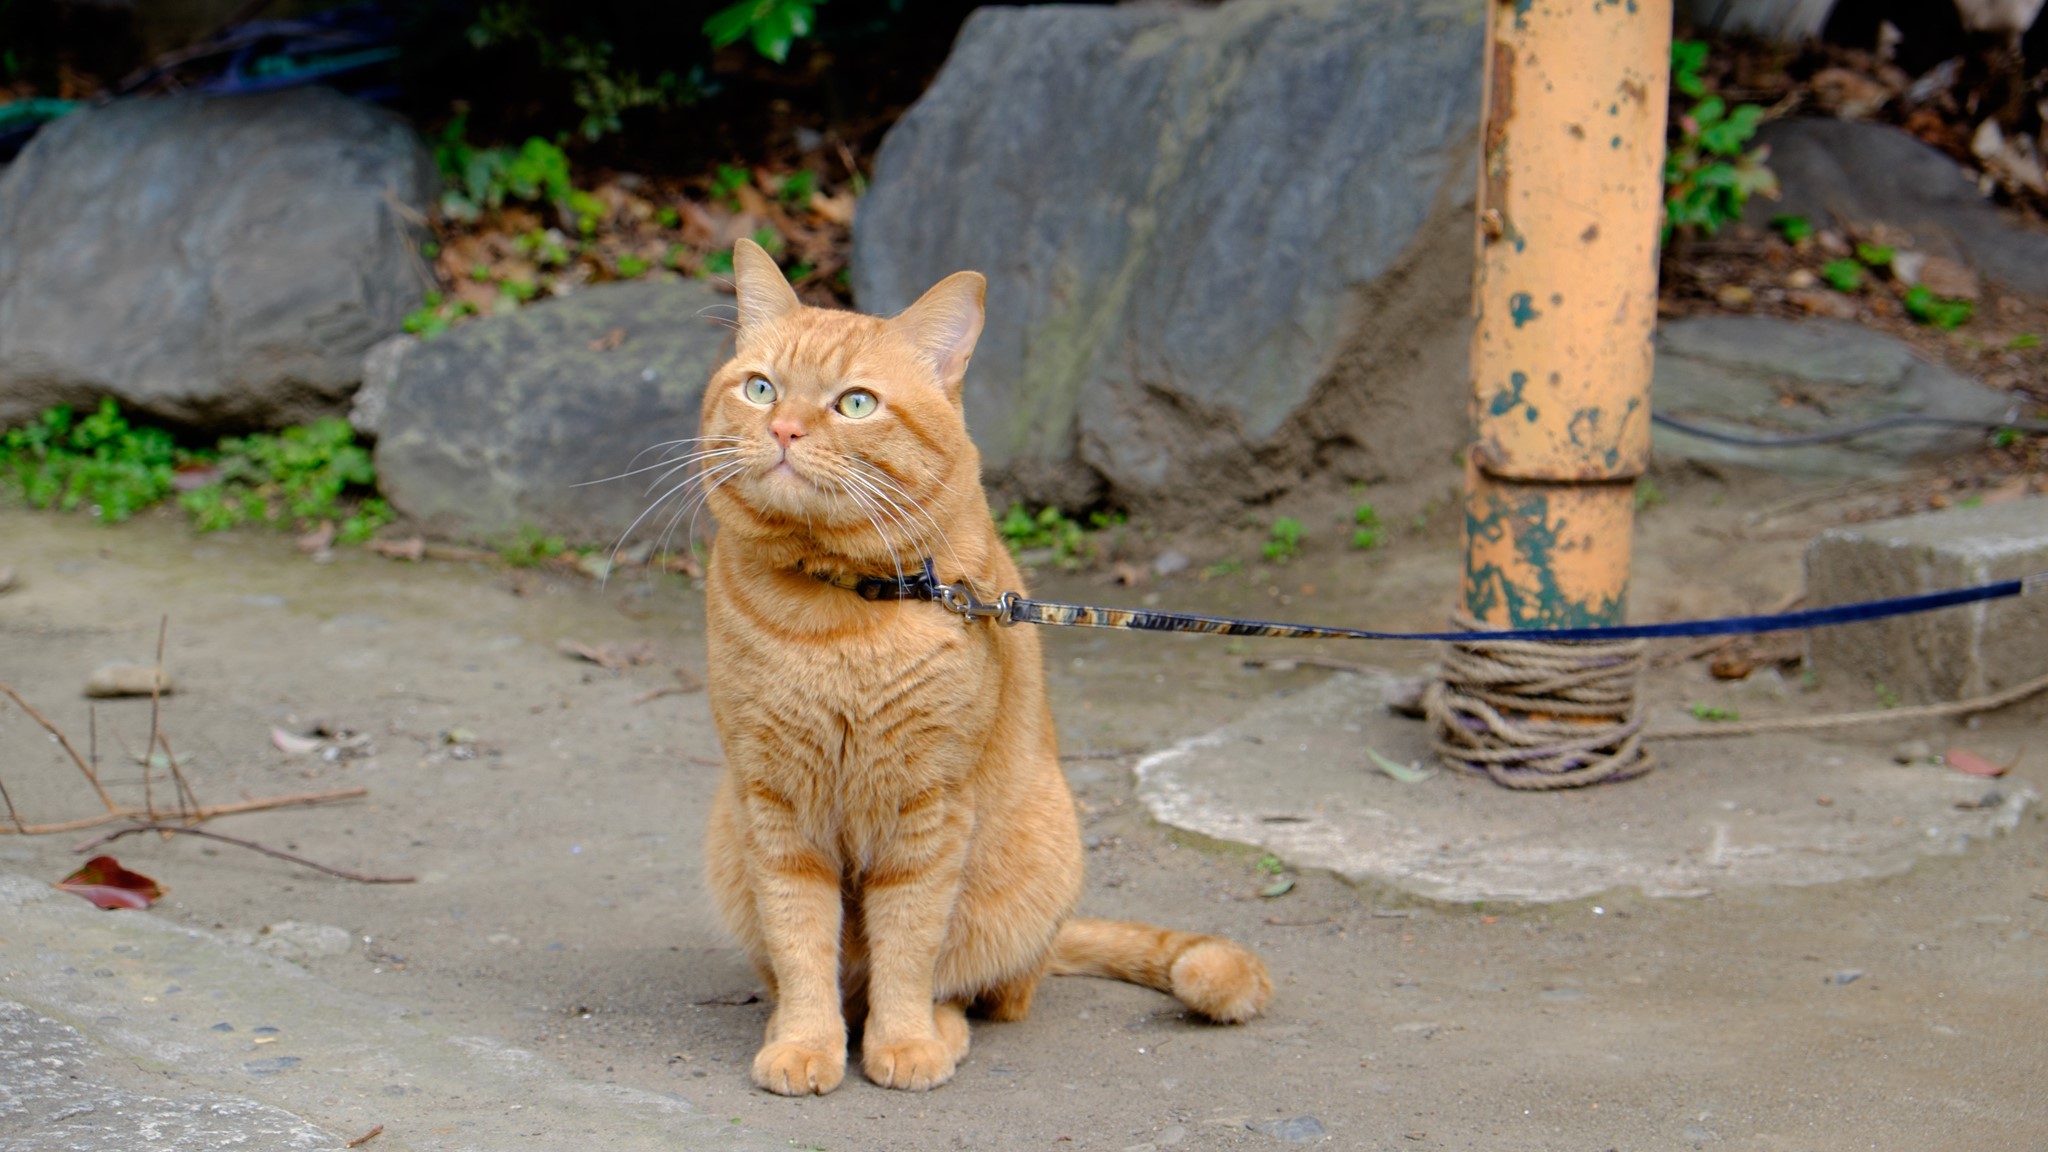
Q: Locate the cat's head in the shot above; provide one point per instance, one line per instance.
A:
(843, 427)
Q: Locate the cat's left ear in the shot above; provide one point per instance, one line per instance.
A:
(944, 324)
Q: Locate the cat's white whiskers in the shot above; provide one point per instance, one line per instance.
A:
(635, 471)
(703, 481)
(875, 476)
(869, 510)
(675, 466)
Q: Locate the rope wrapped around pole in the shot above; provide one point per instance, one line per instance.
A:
(1539, 715)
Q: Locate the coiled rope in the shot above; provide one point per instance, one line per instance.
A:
(1539, 715)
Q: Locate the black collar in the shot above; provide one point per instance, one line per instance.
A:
(922, 586)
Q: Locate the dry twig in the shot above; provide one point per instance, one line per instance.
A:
(92, 777)
(182, 830)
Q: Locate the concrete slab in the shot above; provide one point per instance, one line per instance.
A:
(1947, 655)
(121, 1029)
(1294, 779)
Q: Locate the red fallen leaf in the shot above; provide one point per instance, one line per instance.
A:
(1963, 760)
(104, 882)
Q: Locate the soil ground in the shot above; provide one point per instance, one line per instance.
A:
(559, 906)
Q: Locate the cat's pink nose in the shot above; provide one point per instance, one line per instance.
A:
(786, 431)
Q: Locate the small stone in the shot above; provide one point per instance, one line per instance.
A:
(1947, 278)
(1765, 684)
(1736, 297)
(1294, 1129)
(1801, 279)
(125, 680)
(1845, 976)
(1169, 562)
(298, 942)
(1820, 302)
(1912, 752)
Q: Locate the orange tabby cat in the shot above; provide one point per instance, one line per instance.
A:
(893, 836)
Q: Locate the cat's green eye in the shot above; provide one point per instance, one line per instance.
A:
(858, 404)
(759, 390)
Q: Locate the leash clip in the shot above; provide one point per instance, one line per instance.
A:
(959, 600)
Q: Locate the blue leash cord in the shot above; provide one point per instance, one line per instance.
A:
(1010, 608)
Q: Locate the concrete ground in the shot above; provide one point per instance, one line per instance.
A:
(555, 978)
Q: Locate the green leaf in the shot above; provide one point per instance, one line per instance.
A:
(1843, 275)
(1875, 255)
(1280, 887)
(1405, 773)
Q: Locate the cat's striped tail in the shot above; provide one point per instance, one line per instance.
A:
(1219, 978)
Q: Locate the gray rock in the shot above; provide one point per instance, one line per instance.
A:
(1733, 374)
(1255, 259)
(1912, 752)
(380, 372)
(215, 262)
(1843, 172)
(1294, 1129)
(493, 426)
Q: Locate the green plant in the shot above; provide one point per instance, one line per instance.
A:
(529, 547)
(1270, 865)
(1886, 698)
(1051, 528)
(1708, 173)
(1713, 713)
(601, 88)
(773, 26)
(1793, 228)
(1369, 533)
(480, 179)
(718, 263)
(99, 461)
(548, 247)
(435, 315)
(1843, 275)
(2022, 342)
(1923, 305)
(1284, 541)
(298, 476)
(1875, 255)
(2006, 437)
(632, 267)
(1648, 495)
(797, 189)
(726, 182)
(668, 217)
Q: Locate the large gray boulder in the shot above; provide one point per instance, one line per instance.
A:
(209, 261)
(491, 428)
(1223, 244)
(1848, 172)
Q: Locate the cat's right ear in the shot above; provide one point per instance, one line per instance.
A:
(764, 293)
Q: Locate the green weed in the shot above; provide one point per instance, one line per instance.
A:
(1713, 713)
(61, 461)
(435, 315)
(529, 547)
(1708, 173)
(1793, 228)
(1940, 312)
(1284, 541)
(1369, 533)
(772, 26)
(1843, 275)
(299, 476)
(1648, 495)
(1875, 255)
(1050, 528)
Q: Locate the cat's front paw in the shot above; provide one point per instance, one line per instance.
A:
(795, 1070)
(919, 1065)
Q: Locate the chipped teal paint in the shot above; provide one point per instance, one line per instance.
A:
(1613, 457)
(1631, 7)
(1545, 605)
(1504, 401)
(1531, 413)
(1522, 12)
(1522, 308)
(1587, 417)
(1614, 143)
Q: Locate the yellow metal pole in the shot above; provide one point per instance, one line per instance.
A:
(1566, 298)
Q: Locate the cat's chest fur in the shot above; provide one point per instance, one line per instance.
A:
(839, 697)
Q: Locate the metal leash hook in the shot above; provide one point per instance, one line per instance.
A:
(959, 600)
